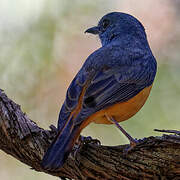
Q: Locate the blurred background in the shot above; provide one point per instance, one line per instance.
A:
(43, 45)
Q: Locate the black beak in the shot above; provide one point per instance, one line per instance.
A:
(93, 30)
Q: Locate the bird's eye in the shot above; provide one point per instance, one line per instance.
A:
(105, 23)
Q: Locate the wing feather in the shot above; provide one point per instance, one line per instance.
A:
(106, 85)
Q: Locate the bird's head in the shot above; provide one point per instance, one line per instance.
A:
(117, 25)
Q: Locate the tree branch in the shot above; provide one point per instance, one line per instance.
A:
(153, 158)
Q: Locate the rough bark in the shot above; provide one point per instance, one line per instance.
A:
(153, 158)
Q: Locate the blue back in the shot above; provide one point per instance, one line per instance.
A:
(114, 73)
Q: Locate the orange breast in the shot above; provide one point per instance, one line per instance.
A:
(121, 111)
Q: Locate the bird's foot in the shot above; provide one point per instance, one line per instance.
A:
(76, 149)
(79, 144)
(53, 128)
(88, 140)
(133, 144)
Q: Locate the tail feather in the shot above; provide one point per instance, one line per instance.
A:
(59, 150)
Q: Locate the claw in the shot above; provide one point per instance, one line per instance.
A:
(53, 128)
(89, 140)
(130, 147)
(76, 149)
(79, 144)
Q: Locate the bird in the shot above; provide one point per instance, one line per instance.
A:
(112, 85)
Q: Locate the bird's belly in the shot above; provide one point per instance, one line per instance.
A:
(122, 111)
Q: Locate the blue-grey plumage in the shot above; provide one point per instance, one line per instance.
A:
(122, 69)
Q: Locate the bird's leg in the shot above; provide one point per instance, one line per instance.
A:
(76, 149)
(133, 142)
(79, 144)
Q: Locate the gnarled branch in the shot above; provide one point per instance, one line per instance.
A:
(153, 158)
